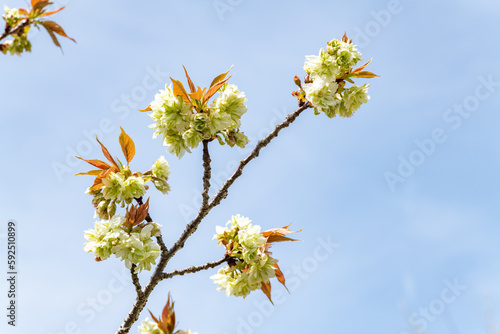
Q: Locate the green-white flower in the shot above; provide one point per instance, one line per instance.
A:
(322, 65)
(322, 93)
(352, 99)
(230, 102)
(134, 187)
(105, 235)
(149, 327)
(160, 168)
(114, 186)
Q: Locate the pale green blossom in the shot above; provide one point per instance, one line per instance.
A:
(322, 93)
(162, 186)
(192, 138)
(160, 168)
(105, 235)
(346, 54)
(253, 265)
(109, 237)
(230, 102)
(353, 98)
(149, 327)
(134, 188)
(114, 186)
(322, 65)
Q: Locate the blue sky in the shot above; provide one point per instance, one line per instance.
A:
(398, 205)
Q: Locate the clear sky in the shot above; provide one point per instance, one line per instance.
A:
(398, 205)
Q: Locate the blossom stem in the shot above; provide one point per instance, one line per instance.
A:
(194, 269)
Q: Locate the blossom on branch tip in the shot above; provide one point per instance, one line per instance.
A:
(250, 266)
(184, 120)
(327, 75)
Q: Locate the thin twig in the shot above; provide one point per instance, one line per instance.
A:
(12, 31)
(135, 280)
(194, 269)
(139, 304)
(222, 193)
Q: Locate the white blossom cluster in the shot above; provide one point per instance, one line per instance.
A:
(323, 90)
(183, 129)
(253, 266)
(122, 187)
(150, 327)
(134, 247)
(19, 43)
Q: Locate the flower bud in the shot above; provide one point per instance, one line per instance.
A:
(296, 79)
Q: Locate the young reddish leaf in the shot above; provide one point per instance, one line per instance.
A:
(34, 2)
(106, 153)
(95, 172)
(128, 146)
(179, 90)
(154, 318)
(96, 163)
(280, 276)
(359, 69)
(51, 25)
(23, 11)
(279, 238)
(39, 5)
(266, 288)
(51, 33)
(142, 212)
(279, 231)
(220, 77)
(53, 12)
(148, 108)
(344, 38)
(191, 85)
(97, 184)
(212, 90)
(365, 74)
(198, 94)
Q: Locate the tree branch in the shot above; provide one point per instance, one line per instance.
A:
(12, 31)
(222, 193)
(207, 174)
(135, 280)
(158, 275)
(194, 269)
